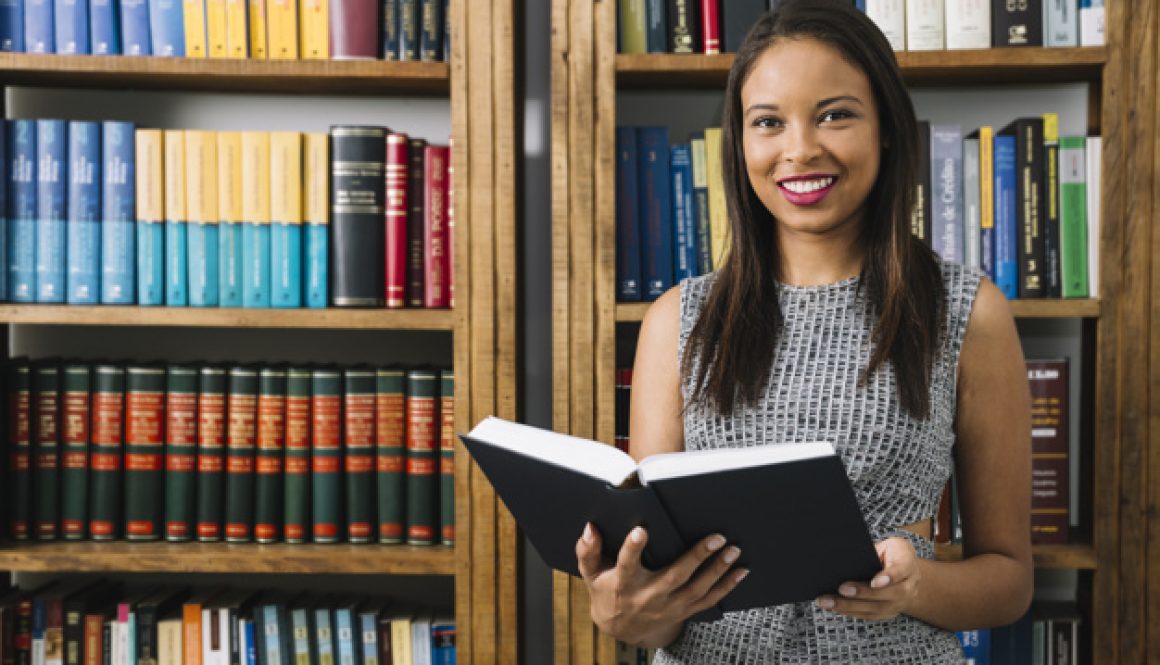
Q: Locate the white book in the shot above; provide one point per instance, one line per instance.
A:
(890, 17)
(421, 639)
(972, 221)
(1060, 23)
(114, 642)
(1091, 23)
(925, 25)
(968, 24)
(1094, 152)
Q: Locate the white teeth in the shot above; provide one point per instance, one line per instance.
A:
(807, 186)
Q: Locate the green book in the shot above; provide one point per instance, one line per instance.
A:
(268, 467)
(447, 457)
(20, 450)
(633, 27)
(74, 474)
(211, 441)
(46, 450)
(241, 438)
(422, 453)
(180, 452)
(326, 453)
(296, 486)
(144, 451)
(390, 446)
(1073, 216)
(359, 452)
(105, 476)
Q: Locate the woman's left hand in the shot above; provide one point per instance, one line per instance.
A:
(888, 594)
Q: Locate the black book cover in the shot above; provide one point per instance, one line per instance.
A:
(1052, 268)
(76, 606)
(358, 192)
(416, 223)
(737, 17)
(150, 611)
(921, 225)
(1016, 23)
(683, 19)
(1029, 203)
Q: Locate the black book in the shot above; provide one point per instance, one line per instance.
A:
(416, 223)
(150, 611)
(737, 17)
(1029, 203)
(655, 26)
(1016, 23)
(921, 224)
(683, 18)
(553, 484)
(358, 193)
(1052, 268)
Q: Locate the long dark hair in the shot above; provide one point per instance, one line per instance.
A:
(736, 333)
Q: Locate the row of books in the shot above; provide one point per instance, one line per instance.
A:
(1047, 635)
(410, 30)
(714, 26)
(86, 622)
(627, 654)
(266, 454)
(103, 212)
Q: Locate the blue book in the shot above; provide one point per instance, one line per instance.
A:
(72, 26)
(860, 5)
(51, 191)
(946, 164)
(3, 214)
(12, 26)
(203, 241)
(976, 646)
(286, 219)
(256, 265)
(176, 222)
(654, 26)
(369, 635)
(656, 216)
(323, 635)
(150, 262)
(684, 213)
(1006, 232)
(230, 263)
(344, 626)
(21, 144)
(104, 27)
(135, 37)
(286, 265)
(251, 655)
(38, 26)
(442, 641)
(316, 250)
(274, 648)
(627, 209)
(167, 28)
(84, 213)
(118, 196)
(390, 36)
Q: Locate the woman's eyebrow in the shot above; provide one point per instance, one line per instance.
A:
(825, 102)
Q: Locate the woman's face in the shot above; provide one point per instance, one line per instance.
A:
(811, 137)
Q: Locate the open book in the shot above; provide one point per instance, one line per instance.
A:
(790, 507)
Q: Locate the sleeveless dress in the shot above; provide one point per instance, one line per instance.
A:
(897, 465)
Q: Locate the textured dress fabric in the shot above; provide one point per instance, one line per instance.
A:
(897, 465)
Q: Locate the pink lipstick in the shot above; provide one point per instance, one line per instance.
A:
(811, 188)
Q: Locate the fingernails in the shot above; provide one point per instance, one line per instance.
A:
(637, 535)
(826, 603)
(740, 575)
(848, 590)
(587, 533)
(715, 543)
(731, 555)
(879, 582)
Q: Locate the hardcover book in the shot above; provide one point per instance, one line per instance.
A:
(422, 457)
(326, 454)
(19, 432)
(390, 36)
(920, 219)
(1052, 286)
(316, 24)
(1006, 226)
(118, 247)
(357, 215)
(76, 385)
(45, 450)
(1029, 202)
(431, 31)
(946, 154)
(286, 219)
(176, 232)
(684, 26)
(72, 27)
(925, 25)
(1073, 217)
(180, 452)
(446, 457)
(39, 36)
(282, 27)
(296, 499)
(409, 30)
(135, 37)
(390, 447)
(654, 26)
(359, 452)
(144, 451)
(231, 219)
(1061, 23)
(890, 17)
(216, 32)
(21, 145)
(259, 43)
(1017, 23)
(256, 260)
(241, 438)
(684, 214)
(968, 24)
(656, 219)
(105, 457)
(316, 218)
(51, 195)
(436, 268)
(416, 222)
(271, 442)
(737, 17)
(150, 218)
(397, 169)
(12, 26)
(84, 213)
(211, 452)
(237, 29)
(972, 212)
(627, 212)
(202, 213)
(1050, 445)
(169, 28)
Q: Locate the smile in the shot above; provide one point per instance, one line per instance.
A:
(806, 191)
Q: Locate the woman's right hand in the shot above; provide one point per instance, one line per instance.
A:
(645, 608)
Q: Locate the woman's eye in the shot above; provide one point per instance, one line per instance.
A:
(767, 123)
(832, 116)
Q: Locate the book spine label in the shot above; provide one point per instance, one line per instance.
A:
(271, 444)
(296, 498)
(987, 201)
(201, 183)
(1073, 217)
(1006, 230)
(1017, 23)
(447, 457)
(326, 454)
(633, 36)
(259, 44)
(1049, 451)
(354, 30)
(416, 190)
(216, 30)
(19, 491)
(409, 30)
(946, 146)
(397, 168)
(684, 219)
(117, 234)
(237, 29)
(359, 453)
(21, 138)
(282, 29)
(169, 28)
(241, 437)
(211, 438)
(46, 451)
(431, 39)
(422, 441)
(357, 214)
(1030, 211)
(390, 447)
(105, 458)
(38, 26)
(1061, 23)
(150, 218)
(968, 24)
(229, 189)
(1052, 287)
(684, 26)
(12, 26)
(51, 193)
(286, 219)
(925, 25)
(180, 452)
(390, 30)
(315, 27)
(971, 211)
(316, 216)
(655, 211)
(628, 252)
(72, 27)
(135, 39)
(256, 212)
(144, 452)
(75, 436)
(435, 228)
(890, 17)
(176, 239)
(83, 258)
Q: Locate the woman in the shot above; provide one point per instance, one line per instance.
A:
(828, 321)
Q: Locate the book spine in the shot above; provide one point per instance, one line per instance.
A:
(1060, 23)
(719, 234)
(19, 492)
(169, 28)
(326, 454)
(286, 219)
(176, 231)
(296, 498)
(701, 203)
(51, 193)
(135, 38)
(316, 25)
(1091, 23)
(21, 140)
(654, 26)
(211, 439)
(390, 29)
(431, 34)
(231, 219)
(202, 214)
(1006, 233)
(323, 636)
(117, 244)
(76, 382)
(216, 31)
(369, 654)
(710, 27)
(1030, 212)
(237, 29)
(925, 25)
(890, 17)
(416, 189)
(344, 627)
(38, 26)
(628, 251)
(144, 451)
(947, 195)
(53, 630)
(104, 33)
(72, 27)
(390, 447)
(1017, 23)
(12, 26)
(357, 234)
(987, 201)
(241, 437)
(5, 229)
(684, 26)
(24, 630)
(316, 214)
(1073, 217)
(968, 24)
(46, 451)
(256, 261)
(684, 215)
(1049, 451)
(271, 444)
(447, 457)
(623, 397)
(971, 207)
(409, 30)
(94, 642)
(83, 212)
(300, 631)
(422, 438)
(385, 650)
(259, 43)
(359, 453)
(150, 217)
(451, 226)
(633, 34)
(920, 218)
(180, 452)
(1094, 157)
(282, 29)
(435, 271)
(105, 459)
(397, 167)
(656, 216)
(738, 16)
(1052, 286)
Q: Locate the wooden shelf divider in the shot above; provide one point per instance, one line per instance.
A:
(1047, 308)
(211, 317)
(1064, 557)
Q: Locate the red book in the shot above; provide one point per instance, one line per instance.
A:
(354, 29)
(1049, 451)
(435, 287)
(711, 27)
(398, 163)
(451, 226)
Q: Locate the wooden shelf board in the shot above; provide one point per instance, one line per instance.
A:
(269, 76)
(159, 557)
(1069, 557)
(1047, 308)
(921, 68)
(382, 319)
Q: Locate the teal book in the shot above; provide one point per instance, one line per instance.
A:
(21, 231)
(51, 194)
(201, 204)
(83, 257)
(176, 232)
(286, 219)
(150, 202)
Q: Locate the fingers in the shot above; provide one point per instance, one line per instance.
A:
(681, 570)
(718, 591)
(704, 580)
(588, 556)
(628, 559)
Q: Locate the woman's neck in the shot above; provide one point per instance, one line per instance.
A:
(814, 261)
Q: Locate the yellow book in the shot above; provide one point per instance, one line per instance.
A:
(719, 233)
(237, 30)
(229, 176)
(150, 181)
(316, 180)
(256, 177)
(282, 29)
(258, 42)
(315, 20)
(174, 175)
(986, 178)
(286, 177)
(215, 28)
(201, 199)
(193, 13)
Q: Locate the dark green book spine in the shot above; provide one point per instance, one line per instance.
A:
(180, 453)
(20, 450)
(326, 453)
(422, 439)
(296, 495)
(144, 452)
(46, 450)
(271, 443)
(390, 449)
(416, 223)
(108, 427)
(447, 457)
(241, 437)
(75, 439)
(359, 453)
(211, 442)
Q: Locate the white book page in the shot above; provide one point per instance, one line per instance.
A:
(591, 458)
(697, 462)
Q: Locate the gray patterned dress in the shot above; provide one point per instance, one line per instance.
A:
(897, 465)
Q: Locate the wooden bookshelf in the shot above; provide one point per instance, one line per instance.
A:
(1088, 308)
(1062, 557)
(211, 317)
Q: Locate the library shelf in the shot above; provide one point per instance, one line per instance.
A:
(1064, 557)
(214, 317)
(1047, 308)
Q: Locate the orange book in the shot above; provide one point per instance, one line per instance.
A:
(282, 29)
